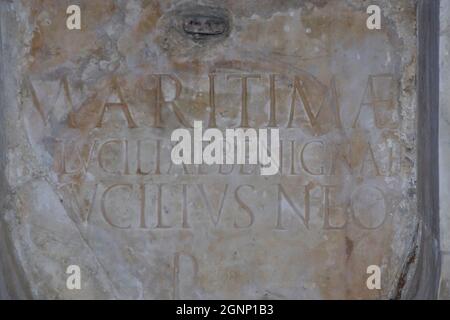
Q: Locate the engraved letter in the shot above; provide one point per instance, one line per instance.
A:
(282, 194)
(121, 104)
(103, 203)
(160, 101)
(244, 95)
(245, 207)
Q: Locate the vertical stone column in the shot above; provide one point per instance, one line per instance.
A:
(444, 149)
(424, 284)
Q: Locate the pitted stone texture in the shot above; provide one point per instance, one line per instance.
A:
(89, 170)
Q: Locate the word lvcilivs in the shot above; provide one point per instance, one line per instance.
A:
(235, 140)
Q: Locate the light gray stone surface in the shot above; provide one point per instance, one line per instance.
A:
(444, 149)
(79, 188)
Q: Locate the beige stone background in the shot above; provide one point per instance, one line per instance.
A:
(223, 236)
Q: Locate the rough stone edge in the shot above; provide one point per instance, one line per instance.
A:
(12, 279)
(424, 283)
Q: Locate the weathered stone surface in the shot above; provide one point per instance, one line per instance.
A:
(444, 150)
(87, 117)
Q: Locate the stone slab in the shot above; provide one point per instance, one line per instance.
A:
(88, 115)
